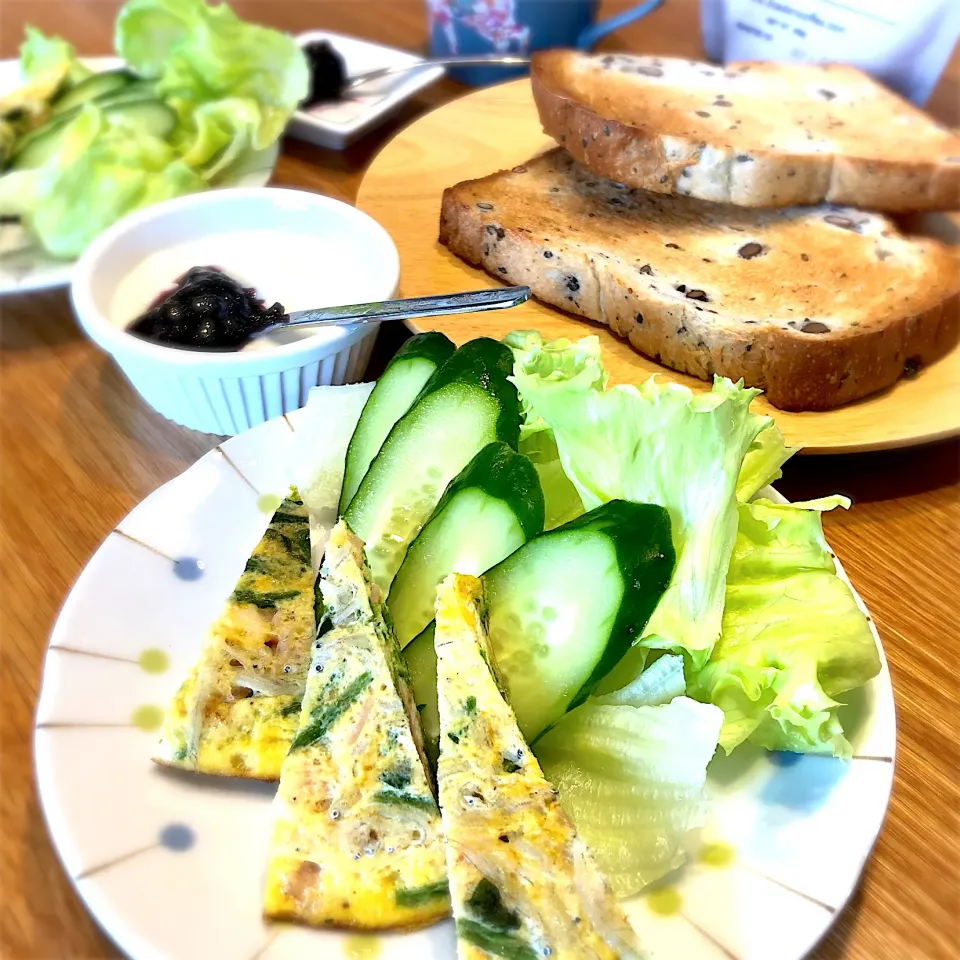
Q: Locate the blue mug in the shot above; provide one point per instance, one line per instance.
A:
(475, 27)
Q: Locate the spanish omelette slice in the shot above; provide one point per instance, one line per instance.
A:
(357, 839)
(522, 883)
(236, 713)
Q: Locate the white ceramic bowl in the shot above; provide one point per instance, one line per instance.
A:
(300, 248)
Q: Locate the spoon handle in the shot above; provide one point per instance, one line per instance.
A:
(354, 83)
(472, 301)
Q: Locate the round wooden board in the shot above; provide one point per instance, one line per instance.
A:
(497, 128)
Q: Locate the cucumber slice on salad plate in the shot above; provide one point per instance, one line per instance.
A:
(142, 112)
(489, 510)
(562, 611)
(465, 405)
(781, 851)
(23, 266)
(95, 88)
(394, 394)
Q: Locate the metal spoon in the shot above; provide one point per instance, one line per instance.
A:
(415, 308)
(354, 83)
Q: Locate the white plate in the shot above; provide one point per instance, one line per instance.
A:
(172, 865)
(23, 266)
(336, 125)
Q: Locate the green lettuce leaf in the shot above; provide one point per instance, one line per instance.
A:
(761, 466)
(792, 639)
(656, 443)
(626, 672)
(202, 53)
(217, 136)
(573, 362)
(561, 501)
(47, 66)
(631, 778)
(650, 686)
(103, 169)
(49, 61)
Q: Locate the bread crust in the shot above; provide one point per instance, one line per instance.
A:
(797, 370)
(703, 163)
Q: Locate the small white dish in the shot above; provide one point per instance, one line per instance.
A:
(23, 265)
(336, 125)
(301, 249)
(172, 865)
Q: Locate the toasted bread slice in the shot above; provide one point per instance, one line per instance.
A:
(817, 305)
(751, 134)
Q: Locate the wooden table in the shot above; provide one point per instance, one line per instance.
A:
(78, 449)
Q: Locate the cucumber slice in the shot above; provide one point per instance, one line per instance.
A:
(137, 90)
(35, 148)
(493, 507)
(93, 88)
(562, 611)
(149, 114)
(395, 393)
(465, 405)
(421, 657)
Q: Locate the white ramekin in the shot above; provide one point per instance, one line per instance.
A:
(300, 248)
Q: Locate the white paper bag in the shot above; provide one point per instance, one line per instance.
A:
(903, 43)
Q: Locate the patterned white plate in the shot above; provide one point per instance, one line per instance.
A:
(171, 865)
(23, 265)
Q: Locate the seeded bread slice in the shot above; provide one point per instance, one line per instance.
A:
(817, 305)
(751, 134)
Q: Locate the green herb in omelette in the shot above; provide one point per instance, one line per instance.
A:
(398, 798)
(301, 540)
(399, 777)
(263, 600)
(255, 564)
(495, 942)
(415, 896)
(328, 711)
(298, 545)
(486, 904)
(281, 517)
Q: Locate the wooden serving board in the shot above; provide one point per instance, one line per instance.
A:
(496, 128)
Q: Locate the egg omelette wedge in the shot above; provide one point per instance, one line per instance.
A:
(238, 709)
(522, 883)
(357, 837)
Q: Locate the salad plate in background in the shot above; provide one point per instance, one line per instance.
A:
(24, 265)
(172, 864)
(195, 100)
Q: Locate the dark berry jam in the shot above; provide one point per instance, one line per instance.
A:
(206, 309)
(328, 73)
